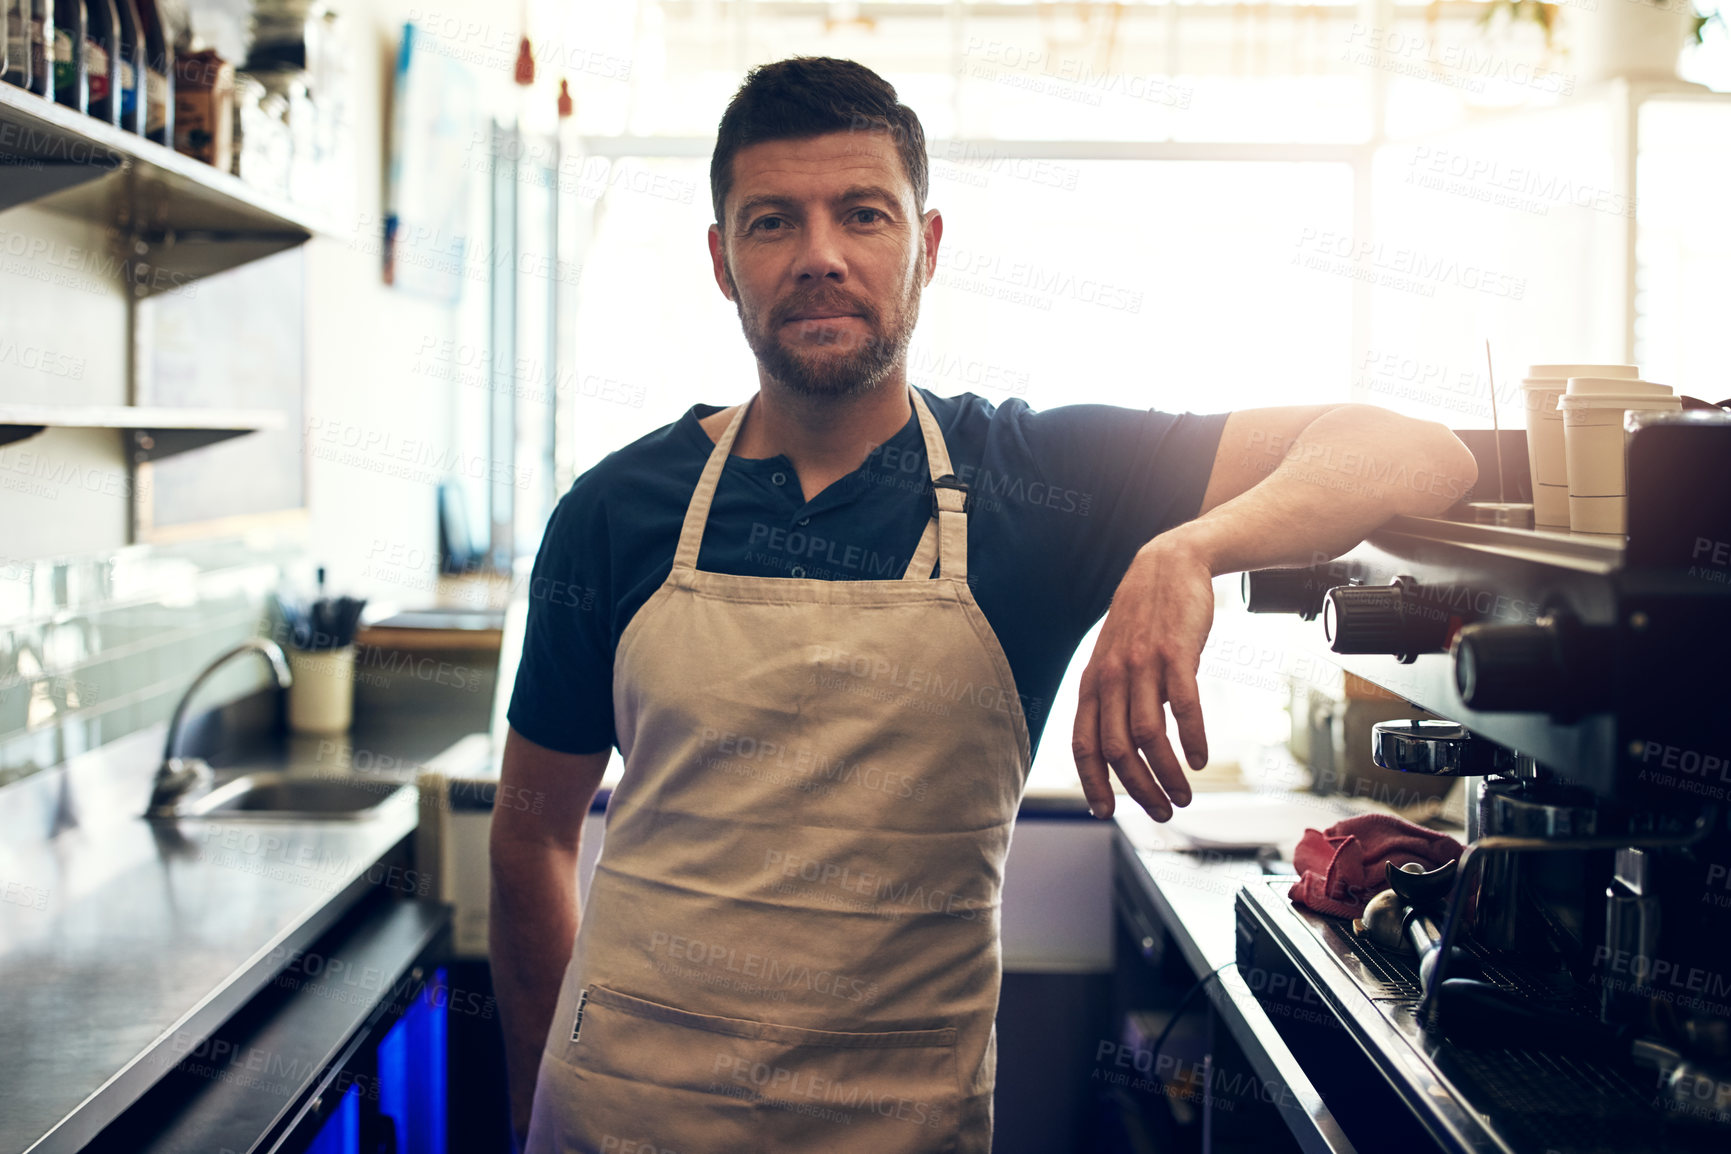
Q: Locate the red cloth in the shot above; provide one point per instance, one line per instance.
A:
(1341, 867)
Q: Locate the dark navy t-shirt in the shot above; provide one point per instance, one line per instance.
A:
(1059, 502)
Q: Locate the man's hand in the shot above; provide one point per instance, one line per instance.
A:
(1290, 486)
(1145, 658)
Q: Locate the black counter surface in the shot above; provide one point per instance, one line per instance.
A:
(123, 940)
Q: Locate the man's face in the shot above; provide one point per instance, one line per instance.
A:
(824, 256)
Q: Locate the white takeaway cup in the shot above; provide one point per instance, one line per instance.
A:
(1546, 461)
(322, 696)
(1593, 409)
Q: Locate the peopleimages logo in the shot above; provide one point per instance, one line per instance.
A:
(1516, 186)
(1024, 282)
(783, 1088)
(75, 266)
(773, 974)
(1071, 78)
(802, 767)
(914, 679)
(1397, 266)
(931, 367)
(477, 42)
(1462, 64)
(777, 543)
(41, 360)
(868, 891)
(1394, 374)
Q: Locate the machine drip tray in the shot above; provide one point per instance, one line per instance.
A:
(1348, 1010)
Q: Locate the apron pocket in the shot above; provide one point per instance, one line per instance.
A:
(707, 1081)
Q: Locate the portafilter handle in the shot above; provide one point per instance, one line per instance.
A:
(1435, 749)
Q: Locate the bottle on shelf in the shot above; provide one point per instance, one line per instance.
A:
(204, 107)
(158, 75)
(102, 58)
(14, 64)
(129, 49)
(42, 48)
(71, 82)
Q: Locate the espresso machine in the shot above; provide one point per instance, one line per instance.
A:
(1565, 986)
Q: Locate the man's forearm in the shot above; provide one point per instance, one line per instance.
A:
(531, 926)
(1347, 472)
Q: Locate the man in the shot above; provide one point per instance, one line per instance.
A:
(821, 626)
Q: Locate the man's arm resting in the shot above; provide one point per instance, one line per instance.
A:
(533, 916)
(1294, 486)
(1289, 486)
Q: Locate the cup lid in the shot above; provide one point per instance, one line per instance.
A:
(1626, 401)
(1596, 385)
(1564, 372)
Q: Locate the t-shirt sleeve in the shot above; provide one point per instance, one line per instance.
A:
(1120, 476)
(563, 696)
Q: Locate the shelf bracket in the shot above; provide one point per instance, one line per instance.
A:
(11, 433)
(141, 445)
(29, 178)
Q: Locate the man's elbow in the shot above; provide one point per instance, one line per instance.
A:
(1452, 467)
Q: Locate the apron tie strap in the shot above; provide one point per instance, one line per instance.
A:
(950, 499)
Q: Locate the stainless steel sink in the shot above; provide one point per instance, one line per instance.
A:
(278, 796)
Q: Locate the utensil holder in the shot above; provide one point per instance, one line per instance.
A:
(322, 698)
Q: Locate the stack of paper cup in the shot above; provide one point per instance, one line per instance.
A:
(1545, 457)
(1593, 410)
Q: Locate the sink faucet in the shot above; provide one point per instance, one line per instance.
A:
(178, 776)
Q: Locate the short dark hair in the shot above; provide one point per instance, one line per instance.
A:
(807, 96)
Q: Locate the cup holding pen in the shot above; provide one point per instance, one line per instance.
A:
(321, 655)
(322, 698)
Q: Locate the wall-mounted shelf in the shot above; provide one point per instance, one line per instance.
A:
(147, 434)
(175, 218)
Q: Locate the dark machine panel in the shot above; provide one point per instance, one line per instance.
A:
(1657, 643)
(1522, 1096)
(1565, 986)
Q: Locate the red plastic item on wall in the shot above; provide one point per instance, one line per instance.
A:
(525, 63)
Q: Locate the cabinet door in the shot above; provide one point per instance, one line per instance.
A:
(341, 1133)
(411, 1072)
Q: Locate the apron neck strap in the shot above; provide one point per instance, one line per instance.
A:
(950, 496)
(950, 499)
(697, 513)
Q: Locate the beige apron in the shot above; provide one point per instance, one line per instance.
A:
(791, 939)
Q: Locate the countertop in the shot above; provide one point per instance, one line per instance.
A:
(126, 942)
(1192, 895)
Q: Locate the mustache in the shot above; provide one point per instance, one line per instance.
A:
(826, 301)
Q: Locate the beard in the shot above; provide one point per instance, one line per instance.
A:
(833, 365)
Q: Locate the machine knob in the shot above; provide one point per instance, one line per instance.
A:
(1553, 666)
(1386, 619)
(1284, 591)
(1434, 748)
(1513, 667)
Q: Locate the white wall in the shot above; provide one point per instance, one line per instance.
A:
(63, 340)
(362, 335)
(64, 491)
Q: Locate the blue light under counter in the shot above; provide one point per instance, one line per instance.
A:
(342, 1133)
(410, 1088)
(411, 1071)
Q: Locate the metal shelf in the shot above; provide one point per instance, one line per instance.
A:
(175, 219)
(147, 434)
(1598, 553)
